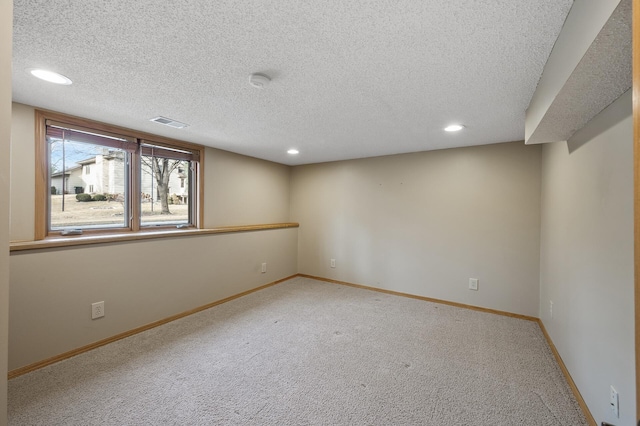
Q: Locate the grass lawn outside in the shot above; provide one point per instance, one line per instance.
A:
(106, 213)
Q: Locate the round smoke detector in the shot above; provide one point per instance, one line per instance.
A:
(259, 80)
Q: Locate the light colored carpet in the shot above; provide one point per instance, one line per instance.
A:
(309, 352)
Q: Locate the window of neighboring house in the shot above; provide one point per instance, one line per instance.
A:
(66, 146)
(131, 184)
(162, 168)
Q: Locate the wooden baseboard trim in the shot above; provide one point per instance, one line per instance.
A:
(427, 299)
(40, 364)
(563, 367)
(567, 376)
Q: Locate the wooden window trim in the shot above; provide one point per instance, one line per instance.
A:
(41, 203)
(84, 240)
(636, 190)
(41, 231)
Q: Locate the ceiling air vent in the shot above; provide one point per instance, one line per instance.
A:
(169, 122)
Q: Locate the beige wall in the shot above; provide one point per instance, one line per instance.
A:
(244, 190)
(420, 223)
(141, 282)
(22, 177)
(6, 33)
(425, 223)
(239, 190)
(587, 265)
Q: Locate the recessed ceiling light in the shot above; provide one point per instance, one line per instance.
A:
(293, 152)
(50, 76)
(259, 81)
(454, 128)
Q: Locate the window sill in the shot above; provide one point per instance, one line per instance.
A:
(80, 240)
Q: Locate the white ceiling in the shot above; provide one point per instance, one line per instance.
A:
(350, 79)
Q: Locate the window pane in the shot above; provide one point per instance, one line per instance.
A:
(91, 192)
(165, 197)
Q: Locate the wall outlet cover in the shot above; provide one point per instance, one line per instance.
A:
(97, 310)
(614, 401)
(473, 284)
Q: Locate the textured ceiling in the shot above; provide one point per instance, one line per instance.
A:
(350, 79)
(601, 76)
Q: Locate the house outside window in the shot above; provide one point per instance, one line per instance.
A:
(129, 179)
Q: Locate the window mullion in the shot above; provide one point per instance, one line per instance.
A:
(108, 162)
(134, 190)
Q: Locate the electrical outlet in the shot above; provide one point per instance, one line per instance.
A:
(264, 268)
(97, 310)
(473, 284)
(613, 400)
(551, 309)
(333, 263)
